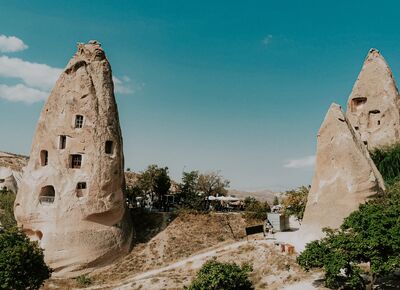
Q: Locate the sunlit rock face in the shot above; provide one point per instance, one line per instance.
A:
(345, 176)
(71, 195)
(373, 107)
(7, 180)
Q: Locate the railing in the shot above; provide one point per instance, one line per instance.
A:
(46, 199)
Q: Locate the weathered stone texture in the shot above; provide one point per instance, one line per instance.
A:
(71, 195)
(345, 176)
(373, 107)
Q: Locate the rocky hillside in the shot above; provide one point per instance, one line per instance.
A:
(13, 161)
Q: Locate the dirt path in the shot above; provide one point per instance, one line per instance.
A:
(194, 261)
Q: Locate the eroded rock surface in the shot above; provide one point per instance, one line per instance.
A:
(71, 196)
(345, 176)
(373, 107)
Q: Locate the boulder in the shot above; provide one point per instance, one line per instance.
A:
(344, 177)
(71, 197)
(373, 107)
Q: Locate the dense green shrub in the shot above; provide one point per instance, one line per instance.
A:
(21, 262)
(369, 235)
(215, 275)
(387, 160)
(7, 219)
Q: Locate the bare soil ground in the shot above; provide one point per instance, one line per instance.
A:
(13, 161)
(171, 248)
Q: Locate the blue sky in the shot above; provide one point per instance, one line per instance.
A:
(236, 86)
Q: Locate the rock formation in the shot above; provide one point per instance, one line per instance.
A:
(345, 176)
(71, 196)
(7, 180)
(373, 107)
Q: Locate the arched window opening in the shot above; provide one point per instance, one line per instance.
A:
(44, 157)
(80, 189)
(47, 194)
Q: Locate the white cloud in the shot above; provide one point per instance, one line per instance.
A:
(11, 44)
(22, 93)
(307, 161)
(40, 76)
(122, 86)
(267, 40)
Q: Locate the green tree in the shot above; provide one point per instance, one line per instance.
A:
(7, 219)
(294, 201)
(188, 191)
(369, 235)
(387, 160)
(276, 201)
(21, 262)
(154, 181)
(212, 183)
(215, 275)
(255, 209)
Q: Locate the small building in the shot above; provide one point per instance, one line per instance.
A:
(279, 221)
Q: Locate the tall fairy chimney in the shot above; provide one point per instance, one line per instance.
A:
(71, 196)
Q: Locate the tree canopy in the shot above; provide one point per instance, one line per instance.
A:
(215, 275)
(21, 262)
(295, 200)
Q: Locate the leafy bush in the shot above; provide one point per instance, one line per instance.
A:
(7, 219)
(215, 275)
(21, 262)
(294, 202)
(387, 160)
(255, 209)
(369, 235)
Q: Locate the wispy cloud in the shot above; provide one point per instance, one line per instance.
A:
(267, 40)
(35, 79)
(11, 44)
(22, 93)
(307, 161)
(35, 75)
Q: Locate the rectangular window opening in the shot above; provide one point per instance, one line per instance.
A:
(63, 142)
(109, 147)
(78, 121)
(76, 161)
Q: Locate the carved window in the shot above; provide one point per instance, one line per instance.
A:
(78, 121)
(63, 142)
(2, 180)
(47, 194)
(80, 189)
(357, 103)
(44, 157)
(81, 185)
(76, 161)
(109, 147)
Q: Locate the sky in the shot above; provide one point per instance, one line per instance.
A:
(236, 86)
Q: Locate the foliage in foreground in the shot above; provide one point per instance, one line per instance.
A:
(295, 200)
(255, 209)
(387, 160)
(215, 275)
(369, 235)
(7, 219)
(22, 263)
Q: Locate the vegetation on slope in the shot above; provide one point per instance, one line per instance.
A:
(369, 235)
(215, 275)
(7, 219)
